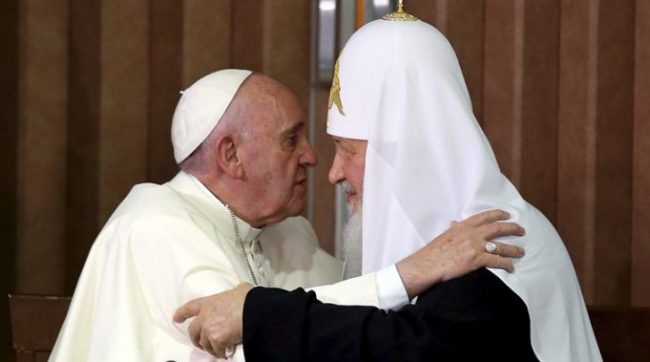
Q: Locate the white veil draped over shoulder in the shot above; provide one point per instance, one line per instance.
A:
(399, 86)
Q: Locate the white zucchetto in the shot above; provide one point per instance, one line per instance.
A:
(201, 107)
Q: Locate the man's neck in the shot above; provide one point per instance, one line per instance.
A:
(223, 198)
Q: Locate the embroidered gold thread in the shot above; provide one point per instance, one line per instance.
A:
(400, 14)
(335, 91)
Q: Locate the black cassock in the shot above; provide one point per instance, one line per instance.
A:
(472, 318)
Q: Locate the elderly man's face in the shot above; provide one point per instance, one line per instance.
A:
(348, 166)
(278, 155)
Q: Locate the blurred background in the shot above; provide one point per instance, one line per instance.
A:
(88, 88)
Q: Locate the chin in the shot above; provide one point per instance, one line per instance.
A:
(293, 208)
(354, 204)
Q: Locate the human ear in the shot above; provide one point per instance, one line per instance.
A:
(228, 159)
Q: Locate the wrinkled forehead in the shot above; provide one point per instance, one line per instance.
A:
(266, 105)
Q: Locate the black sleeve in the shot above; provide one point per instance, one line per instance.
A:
(475, 317)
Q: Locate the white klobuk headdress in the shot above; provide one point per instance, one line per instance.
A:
(399, 86)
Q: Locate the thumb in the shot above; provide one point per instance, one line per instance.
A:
(188, 310)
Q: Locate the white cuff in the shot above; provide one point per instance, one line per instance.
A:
(390, 289)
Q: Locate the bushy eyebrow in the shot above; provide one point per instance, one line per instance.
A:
(295, 129)
(344, 145)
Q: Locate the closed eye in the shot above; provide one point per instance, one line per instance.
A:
(290, 141)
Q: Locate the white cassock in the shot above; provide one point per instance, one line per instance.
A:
(167, 244)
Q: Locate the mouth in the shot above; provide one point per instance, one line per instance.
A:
(350, 193)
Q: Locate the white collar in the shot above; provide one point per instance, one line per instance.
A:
(249, 233)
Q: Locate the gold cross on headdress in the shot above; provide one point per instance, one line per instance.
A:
(400, 14)
(335, 91)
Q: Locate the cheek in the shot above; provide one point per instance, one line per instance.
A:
(356, 174)
(358, 185)
(276, 174)
(281, 180)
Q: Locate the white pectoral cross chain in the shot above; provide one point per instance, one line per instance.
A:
(243, 246)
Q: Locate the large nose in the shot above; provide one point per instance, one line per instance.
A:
(336, 170)
(308, 157)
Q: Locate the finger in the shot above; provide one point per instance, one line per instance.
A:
(486, 217)
(495, 261)
(501, 229)
(508, 251)
(219, 349)
(187, 310)
(206, 345)
(195, 332)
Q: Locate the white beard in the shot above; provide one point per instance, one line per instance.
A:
(352, 245)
